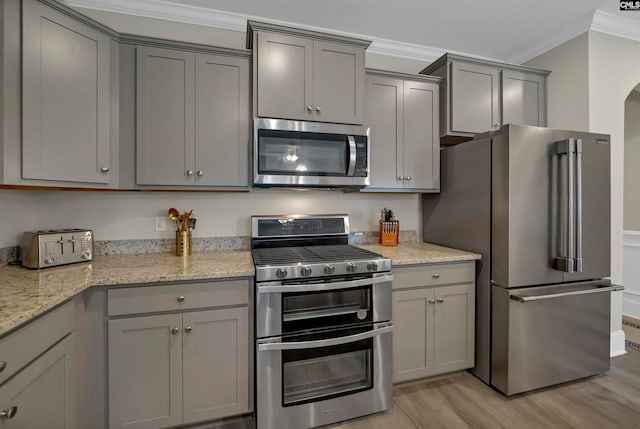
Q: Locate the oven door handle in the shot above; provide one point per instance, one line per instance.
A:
(298, 345)
(277, 287)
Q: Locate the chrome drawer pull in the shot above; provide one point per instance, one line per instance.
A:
(181, 298)
(3, 365)
(436, 276)
(10, 413)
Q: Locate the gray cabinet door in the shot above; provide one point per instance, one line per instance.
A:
(285, 76)
(216, 364)
(384, 113)
(43, 393)
(523, 98)
(454, 321)
(65, 98)
(413, 335)
(420, 154)
(475, 104)
(338, 76)
(222, 121)
(165, 117)
(145, 372)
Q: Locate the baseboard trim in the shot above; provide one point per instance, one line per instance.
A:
(617, 343)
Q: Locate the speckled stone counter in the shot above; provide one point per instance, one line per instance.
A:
(413, 253)
(26, 294)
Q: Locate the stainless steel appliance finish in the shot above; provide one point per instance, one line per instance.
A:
(535, 202)
(323, 323)
(41, 249)
(348, 398)
(310, 154)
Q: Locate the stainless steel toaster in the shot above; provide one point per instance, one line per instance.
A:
(41, 249)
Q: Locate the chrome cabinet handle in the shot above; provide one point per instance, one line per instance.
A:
(436, 275)
(318, 108)
(3, 365)
(189, 172)
(400, 177)
(440, 300)
(496, 125)
(105, 169)
(310, 108)
(175, 331)
(181, 298)
(200, 173)
(408, 178)
(10, 413)
(188, 329)
(432, 301)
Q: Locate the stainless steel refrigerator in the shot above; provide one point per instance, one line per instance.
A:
(535, 202)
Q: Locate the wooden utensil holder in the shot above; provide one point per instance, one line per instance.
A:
(183, 243)
(389, 232)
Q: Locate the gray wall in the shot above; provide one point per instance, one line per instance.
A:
(632, 161)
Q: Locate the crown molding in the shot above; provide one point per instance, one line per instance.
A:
(574, 29)
(615, 25)
(187, 14)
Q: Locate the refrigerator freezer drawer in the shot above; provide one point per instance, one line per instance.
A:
(547, 335)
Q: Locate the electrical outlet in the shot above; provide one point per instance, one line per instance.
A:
(161, 223)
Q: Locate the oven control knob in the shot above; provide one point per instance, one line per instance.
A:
(281, 273)
(329, 269)
(351, 267)
(305, 271)
(372, 266)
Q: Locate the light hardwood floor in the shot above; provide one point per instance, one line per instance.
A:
(609, 401)
(461, 401)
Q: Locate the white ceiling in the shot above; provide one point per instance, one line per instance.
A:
(504, 30)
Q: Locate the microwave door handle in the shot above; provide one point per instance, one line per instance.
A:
(300, 345)
(352, 156)
(277, 287)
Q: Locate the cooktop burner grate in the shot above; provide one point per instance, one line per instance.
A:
(309, 254)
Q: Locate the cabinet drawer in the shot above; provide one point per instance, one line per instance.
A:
(433, 274)
(148, 299)
(23, 346)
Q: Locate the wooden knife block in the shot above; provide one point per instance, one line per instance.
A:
(389, 232)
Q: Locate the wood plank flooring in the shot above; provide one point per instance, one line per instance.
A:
(461, 401)
(609, 401)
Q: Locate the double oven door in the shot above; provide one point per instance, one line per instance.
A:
(323, 352)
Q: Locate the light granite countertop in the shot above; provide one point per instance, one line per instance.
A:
(26, 294)
(420, 253)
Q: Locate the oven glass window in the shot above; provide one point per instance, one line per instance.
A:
(287, 152)
(310, 375)
(310, 310)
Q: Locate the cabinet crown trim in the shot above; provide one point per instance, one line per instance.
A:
(405, 76)
(253, 26)
(59, 7)
(133, 39)
(447, 58)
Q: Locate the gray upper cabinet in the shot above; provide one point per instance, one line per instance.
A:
(192, 118)
(480, 96)
(68, 66)
(305, 75)
(165, 117)
(402, 111)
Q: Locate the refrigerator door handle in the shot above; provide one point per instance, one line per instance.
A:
(565, 262)
(578, 148)
(598, 289)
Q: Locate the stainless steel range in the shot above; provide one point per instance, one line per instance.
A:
(323, 323)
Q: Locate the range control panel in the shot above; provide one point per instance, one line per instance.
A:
(51, 248)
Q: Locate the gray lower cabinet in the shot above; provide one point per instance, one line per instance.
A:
(480, 96)
(304, 75)
(178, 368)
(434, 319)
(192, 118)
(38, 373)
(62, 69)
(402, 111)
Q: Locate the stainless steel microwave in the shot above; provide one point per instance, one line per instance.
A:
(309, 154)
